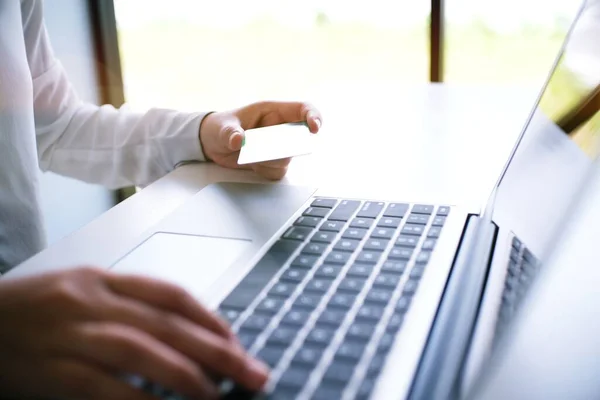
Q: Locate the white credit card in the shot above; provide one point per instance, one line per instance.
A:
(276, 142)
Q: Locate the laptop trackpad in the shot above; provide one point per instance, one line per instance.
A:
(192, 262)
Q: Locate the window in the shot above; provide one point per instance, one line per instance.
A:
(194, 54)
(510, 41)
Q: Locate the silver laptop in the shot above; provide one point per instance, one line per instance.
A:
(362, 298)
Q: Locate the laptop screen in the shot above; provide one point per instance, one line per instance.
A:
(559, 142)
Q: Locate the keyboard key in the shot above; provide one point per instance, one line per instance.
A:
(434, 232)
(419, 219)
(394, 266)
(360, 330)
(400, 253)
(295, 377)
(382, 233)
(422, 209)
(411, 286)
(386, 342)
(370, 209)
(297, 233)
(428, 244)
(247, 338)
(403, 303)
(332, 226)
(271, 355)
(516, 243)
(368, 257)
(323, 237)
(293, 274)
(407, 241)
(270, 305)
(423, 257)
(296, 316)
(354, 233)
(307, 301)
(256, 322)
(286, 247)
(342, 300)
(314, 248)
(352, 284)
(350, 350)
(371, 313)
(339, 372)
(365, 389)
(344, 210)
(325, 203)
(318, 285)
(386, 280)
(282, 335)
(308, 355)
(376, 364)
(376, 244)
(379, 295)
(328, 391)
(417, 271)
(282, 289)
(395, 322)
(397, 210)
(361, 223)
(320, 336)
(443, 210)
(528, 256)
(338, 257)
(255, 281)
(412, 229)
(305, 261)
(363, 270)
(439, 221)
(316, 212)
(346, 245)
(309, 222)
(328, 271)
(389, 222)
(331, 317)
(229, 314)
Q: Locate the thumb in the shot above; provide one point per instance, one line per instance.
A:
(232, 137)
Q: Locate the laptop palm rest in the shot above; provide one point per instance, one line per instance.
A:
(218, 230)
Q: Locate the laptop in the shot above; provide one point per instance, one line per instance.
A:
(367, 298)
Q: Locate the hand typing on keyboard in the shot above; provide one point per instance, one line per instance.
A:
(69, 334)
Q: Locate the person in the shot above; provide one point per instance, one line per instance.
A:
(73, 333)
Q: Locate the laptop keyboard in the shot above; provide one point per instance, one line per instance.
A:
(522, 269)
(324, 305)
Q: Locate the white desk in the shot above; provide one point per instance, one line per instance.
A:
(429, 142)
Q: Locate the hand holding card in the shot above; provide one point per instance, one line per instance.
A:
(276, 142)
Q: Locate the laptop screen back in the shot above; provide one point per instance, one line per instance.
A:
(559, 142)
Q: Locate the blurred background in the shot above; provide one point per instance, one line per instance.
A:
(191, 53)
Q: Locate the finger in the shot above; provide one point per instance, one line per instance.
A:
(281, 163)
(273, 113)
(125, 349)
(168, 297)
(73, 379)
(273, 174)
(214, 352)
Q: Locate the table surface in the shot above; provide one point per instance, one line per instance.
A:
(432, 142)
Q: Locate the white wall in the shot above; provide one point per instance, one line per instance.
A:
(68, 204)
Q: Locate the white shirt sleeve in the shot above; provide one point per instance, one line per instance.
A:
(100, 144)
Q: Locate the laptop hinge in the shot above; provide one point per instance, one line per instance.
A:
(438, 375)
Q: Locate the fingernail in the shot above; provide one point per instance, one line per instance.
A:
(258, 371)
(234, 141)
(318, 121)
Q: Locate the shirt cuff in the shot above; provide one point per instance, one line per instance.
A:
(183, 144)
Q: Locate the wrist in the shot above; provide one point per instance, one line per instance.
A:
(203, 132)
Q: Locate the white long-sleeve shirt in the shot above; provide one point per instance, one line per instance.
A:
(43, 124)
